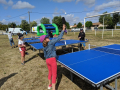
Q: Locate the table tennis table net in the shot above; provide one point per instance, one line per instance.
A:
(107, 50)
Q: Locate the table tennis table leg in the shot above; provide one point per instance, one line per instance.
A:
(116, 84)
(39, 52)
(101, 87)
(79, 46)
(71, 74)
(33, 49)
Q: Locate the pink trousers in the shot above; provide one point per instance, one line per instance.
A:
(52, 67)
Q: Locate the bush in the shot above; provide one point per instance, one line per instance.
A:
(102, 27)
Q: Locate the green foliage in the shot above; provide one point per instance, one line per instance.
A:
(115, 19)
(18, 26)
(58, 21)
(45, 21)
(109, 20)
(88, 24)
(102, 27)
(33, 24)
(79, 25)
(75, 24)
(24, 25)
(3, 27)
(117, 27)
(67, 25)
(12, 25)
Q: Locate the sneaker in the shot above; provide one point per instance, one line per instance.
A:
(50, 86)
(22, 63)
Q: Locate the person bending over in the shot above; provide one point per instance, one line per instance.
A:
(50, 55)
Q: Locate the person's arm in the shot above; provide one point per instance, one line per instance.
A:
(44, 53)
(19, 45)
(79, 36)
(53, 41)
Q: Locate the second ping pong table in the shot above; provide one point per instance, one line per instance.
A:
(63, 43)
(97, 66)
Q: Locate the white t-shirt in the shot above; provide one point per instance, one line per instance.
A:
(20, 43)
(10, 35)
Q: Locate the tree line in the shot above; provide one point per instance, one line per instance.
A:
(110, 22)
(26, 26)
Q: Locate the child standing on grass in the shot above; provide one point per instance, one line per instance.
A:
(50, 55)
(22, 48)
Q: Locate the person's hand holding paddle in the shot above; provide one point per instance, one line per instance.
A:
(64, 22)
(64, 27)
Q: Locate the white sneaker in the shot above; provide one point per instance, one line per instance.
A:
(50, 86)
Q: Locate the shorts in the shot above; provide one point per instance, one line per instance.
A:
(22, 53)
(82, 44)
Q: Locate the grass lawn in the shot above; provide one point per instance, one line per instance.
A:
(33, 75)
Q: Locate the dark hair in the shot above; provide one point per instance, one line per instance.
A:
(45, 43)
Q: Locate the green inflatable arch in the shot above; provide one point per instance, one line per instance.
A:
(42, 29)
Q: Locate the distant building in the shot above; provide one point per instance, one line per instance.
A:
(75, 26)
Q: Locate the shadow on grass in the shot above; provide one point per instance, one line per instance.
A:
(59, 76)
(31, 58)
(79, 82)
(3, 80)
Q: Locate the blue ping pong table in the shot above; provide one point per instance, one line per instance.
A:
(30, 38)
(98, 66)
(32, 41)
(36, 40)
(62, 43)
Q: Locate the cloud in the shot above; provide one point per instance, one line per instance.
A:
(6, 22)
(8, 16)
(23, 17)
(3, 1)
(71, 19)
(22, 5)
(61, 1)
(10, 2)
(107, 5)
(6, 7)
(90, 3)
(56, 13)
(38, 20)
(112, 4)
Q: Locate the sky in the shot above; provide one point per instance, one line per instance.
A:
(74, 11)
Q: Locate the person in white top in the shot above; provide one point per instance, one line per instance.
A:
(12, 44)
(22, 48)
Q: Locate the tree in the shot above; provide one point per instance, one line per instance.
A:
(115, 19)
(58, 21)
(108, 20)
(75, 24)
(12, 25)
(3, 26)
(79, 25)
(67, 25)
(45, 21)
(88, 24)
(18, 26)
(24, 25)
(33, 24)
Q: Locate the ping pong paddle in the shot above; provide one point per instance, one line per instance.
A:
(63, 20)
